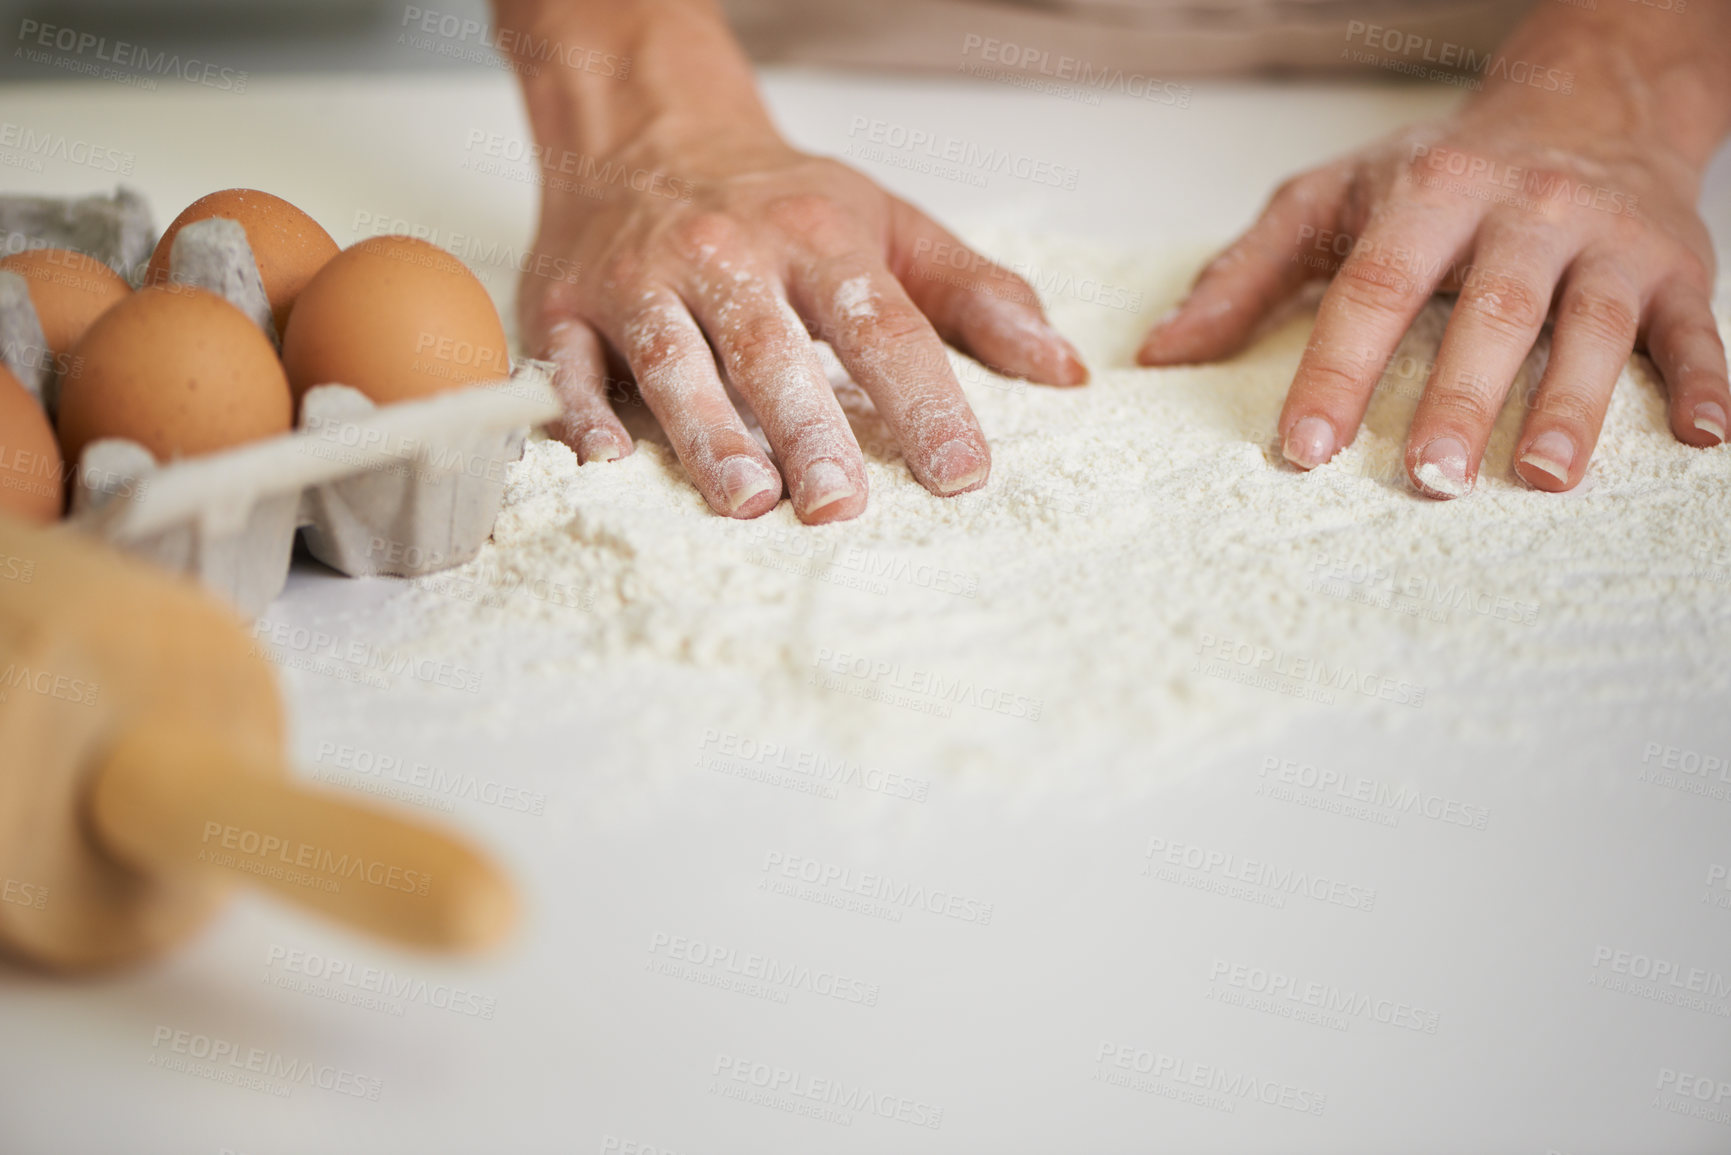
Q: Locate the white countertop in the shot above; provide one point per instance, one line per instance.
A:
(1083, 1014)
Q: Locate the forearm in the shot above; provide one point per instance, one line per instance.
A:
(680, 76)
(1659, 72)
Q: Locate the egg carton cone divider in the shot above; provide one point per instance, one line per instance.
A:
(431, 491)
(400, 489)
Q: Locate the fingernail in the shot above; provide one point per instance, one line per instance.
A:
(598, 445)
(1442, 467)
(1710, 418)
(956, 466)
(824, 483)
(1309, 443)
(741, 480)
(1551, 452)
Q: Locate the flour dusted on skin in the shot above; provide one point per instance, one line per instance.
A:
(1141, 569)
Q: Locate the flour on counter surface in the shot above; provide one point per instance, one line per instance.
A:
(1141, 571)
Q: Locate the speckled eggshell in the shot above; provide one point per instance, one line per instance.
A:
(69, 290)
(289, 246)
(178, 370)
(32, 482)
(397, 318)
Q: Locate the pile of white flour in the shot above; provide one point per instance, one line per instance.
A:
(1141, 570)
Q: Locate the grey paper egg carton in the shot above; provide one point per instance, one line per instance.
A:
(401, 489)
(115, 229)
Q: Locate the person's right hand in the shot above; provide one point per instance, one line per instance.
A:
(729, 256)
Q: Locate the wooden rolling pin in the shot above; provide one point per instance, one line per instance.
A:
(141, 777)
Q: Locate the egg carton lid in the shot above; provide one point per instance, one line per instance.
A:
(220, 490)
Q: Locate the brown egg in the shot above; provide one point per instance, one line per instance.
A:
(69, 290)
(31, 479)
(178, 370)
(397, 318)
(288, 245)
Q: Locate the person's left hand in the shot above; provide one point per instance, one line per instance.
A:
(1526, 216)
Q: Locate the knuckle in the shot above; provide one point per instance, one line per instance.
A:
(541, 312)
(810, 217)
(760, 336)
(1294, 191)
(1565, 406)
(1697, 333)
(650, 329)
(896, 324)
(1694, 270)
(1373, 281)
(1503, 303)
(1464, 402)
(620, 270)
(1550, 189)
(702, 235)
(1606, 318)
(1686, 267)
(1332, 379)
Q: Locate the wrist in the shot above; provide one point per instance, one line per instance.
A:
(669, 74)
(1659, 78)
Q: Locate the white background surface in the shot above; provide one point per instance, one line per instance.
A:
(590, 1048)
